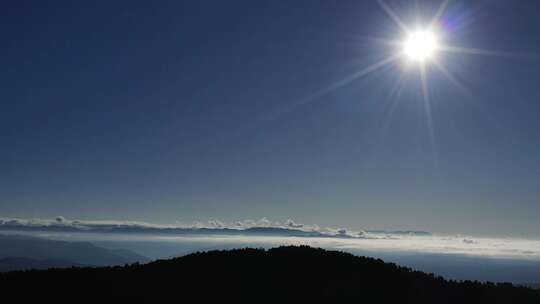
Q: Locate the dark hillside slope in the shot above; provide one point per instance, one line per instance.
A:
(279, 275)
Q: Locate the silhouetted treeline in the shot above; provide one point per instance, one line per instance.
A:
(280, 275)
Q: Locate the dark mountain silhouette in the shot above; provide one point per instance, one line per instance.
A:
(532, 285)
(76, 253)
(280, 275)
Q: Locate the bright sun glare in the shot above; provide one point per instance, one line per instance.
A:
(420, 45)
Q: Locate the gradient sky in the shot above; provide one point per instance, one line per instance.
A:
(196, 110)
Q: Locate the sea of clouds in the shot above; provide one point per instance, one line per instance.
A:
(255, 232)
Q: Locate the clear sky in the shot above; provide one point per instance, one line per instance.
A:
(169, 111)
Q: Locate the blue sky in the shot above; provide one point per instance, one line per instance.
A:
(193, 110)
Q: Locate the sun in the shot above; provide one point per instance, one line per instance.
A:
(420, 45)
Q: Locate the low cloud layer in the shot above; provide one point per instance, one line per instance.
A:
(262, 226)
(264, 231)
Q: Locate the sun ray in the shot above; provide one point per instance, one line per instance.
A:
(450, 77)
(417, 14)
(439, 13)
(362, 73)
(394, 95)
(396, 89)
(473, 51)
(427, 106)
(390, 12)
(425, 92)
(387, 42)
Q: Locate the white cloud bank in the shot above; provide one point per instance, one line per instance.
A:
(496, 248)
(262, 226)
(266, 232)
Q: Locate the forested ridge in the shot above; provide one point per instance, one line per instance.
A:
(278, 275)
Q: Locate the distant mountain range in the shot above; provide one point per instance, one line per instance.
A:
(280, 275)
(25, 252)
(127, 228)
(13, 264)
